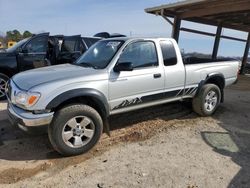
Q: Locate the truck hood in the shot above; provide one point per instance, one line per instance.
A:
(28, 79)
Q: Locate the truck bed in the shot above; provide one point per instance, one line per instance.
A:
(197, 71)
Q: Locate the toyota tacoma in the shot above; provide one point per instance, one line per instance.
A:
(114, 76)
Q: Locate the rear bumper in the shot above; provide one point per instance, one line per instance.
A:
(24, 118)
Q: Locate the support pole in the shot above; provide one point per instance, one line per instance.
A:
(245, 57)
(176, 28)
(216, 42)
(165, 17)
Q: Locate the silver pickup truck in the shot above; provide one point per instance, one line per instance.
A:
(114, 76)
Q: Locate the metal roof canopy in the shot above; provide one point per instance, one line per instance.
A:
(230, 14)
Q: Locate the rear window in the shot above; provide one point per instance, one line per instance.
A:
(90, 41)
(168, 53)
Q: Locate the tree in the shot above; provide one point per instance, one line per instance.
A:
(14, 35)
(27, 34)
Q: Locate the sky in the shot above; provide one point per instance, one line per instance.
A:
(88, 17)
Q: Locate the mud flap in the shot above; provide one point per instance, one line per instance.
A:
(222, 96)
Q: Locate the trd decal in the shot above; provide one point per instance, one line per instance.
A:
(127, 103)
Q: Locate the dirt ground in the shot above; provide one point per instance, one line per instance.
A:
(163, 146)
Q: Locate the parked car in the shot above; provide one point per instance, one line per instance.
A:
(108, 35)
(114, 76)
(39, 51)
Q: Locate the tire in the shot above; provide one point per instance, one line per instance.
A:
(207, 100)
(75, 129)
(3, 81)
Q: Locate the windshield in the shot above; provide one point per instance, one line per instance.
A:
(17, 45)
(100, 54)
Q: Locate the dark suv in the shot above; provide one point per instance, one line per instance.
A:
(41, 50)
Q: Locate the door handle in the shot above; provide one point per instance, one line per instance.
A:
(157, 75)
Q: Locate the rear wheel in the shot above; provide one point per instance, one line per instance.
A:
(207, 100)
(3, 82)
(75, 129)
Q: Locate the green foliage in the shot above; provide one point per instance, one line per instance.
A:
(15, 35)
(27, 34)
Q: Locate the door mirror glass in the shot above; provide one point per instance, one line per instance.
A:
(124, 66)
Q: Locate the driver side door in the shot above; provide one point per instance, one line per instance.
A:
(34, 53)
(144, 84)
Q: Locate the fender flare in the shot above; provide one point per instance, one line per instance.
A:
(96, 95)
(213, 76)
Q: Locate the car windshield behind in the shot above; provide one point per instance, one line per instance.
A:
(17, 45)
(100, 54)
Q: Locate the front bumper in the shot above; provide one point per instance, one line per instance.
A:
(27, 119)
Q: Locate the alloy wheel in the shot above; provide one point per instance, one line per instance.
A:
(211, 101)
(78, 131)
(3, 83)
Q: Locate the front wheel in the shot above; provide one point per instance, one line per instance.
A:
(75, 129)
(207, 100)
(3, 82)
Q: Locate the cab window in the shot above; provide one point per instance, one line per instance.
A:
(168, 53)
(140, 54)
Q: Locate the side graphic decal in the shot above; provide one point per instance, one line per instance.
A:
(155, 97)
(127, 103)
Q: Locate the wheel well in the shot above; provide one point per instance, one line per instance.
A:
(217, 80)
(90, 101)
(5, 72)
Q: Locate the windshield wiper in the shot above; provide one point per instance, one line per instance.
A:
(85, 64)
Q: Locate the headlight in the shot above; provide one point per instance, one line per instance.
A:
(26, 99)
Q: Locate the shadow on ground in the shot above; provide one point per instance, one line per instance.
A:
(234, 117)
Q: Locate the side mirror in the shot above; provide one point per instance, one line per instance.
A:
(126, 66)
(19, 50)
(24, 50)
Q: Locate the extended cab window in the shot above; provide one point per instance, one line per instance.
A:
(168, 52)
(37, 45)
(141, 54)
